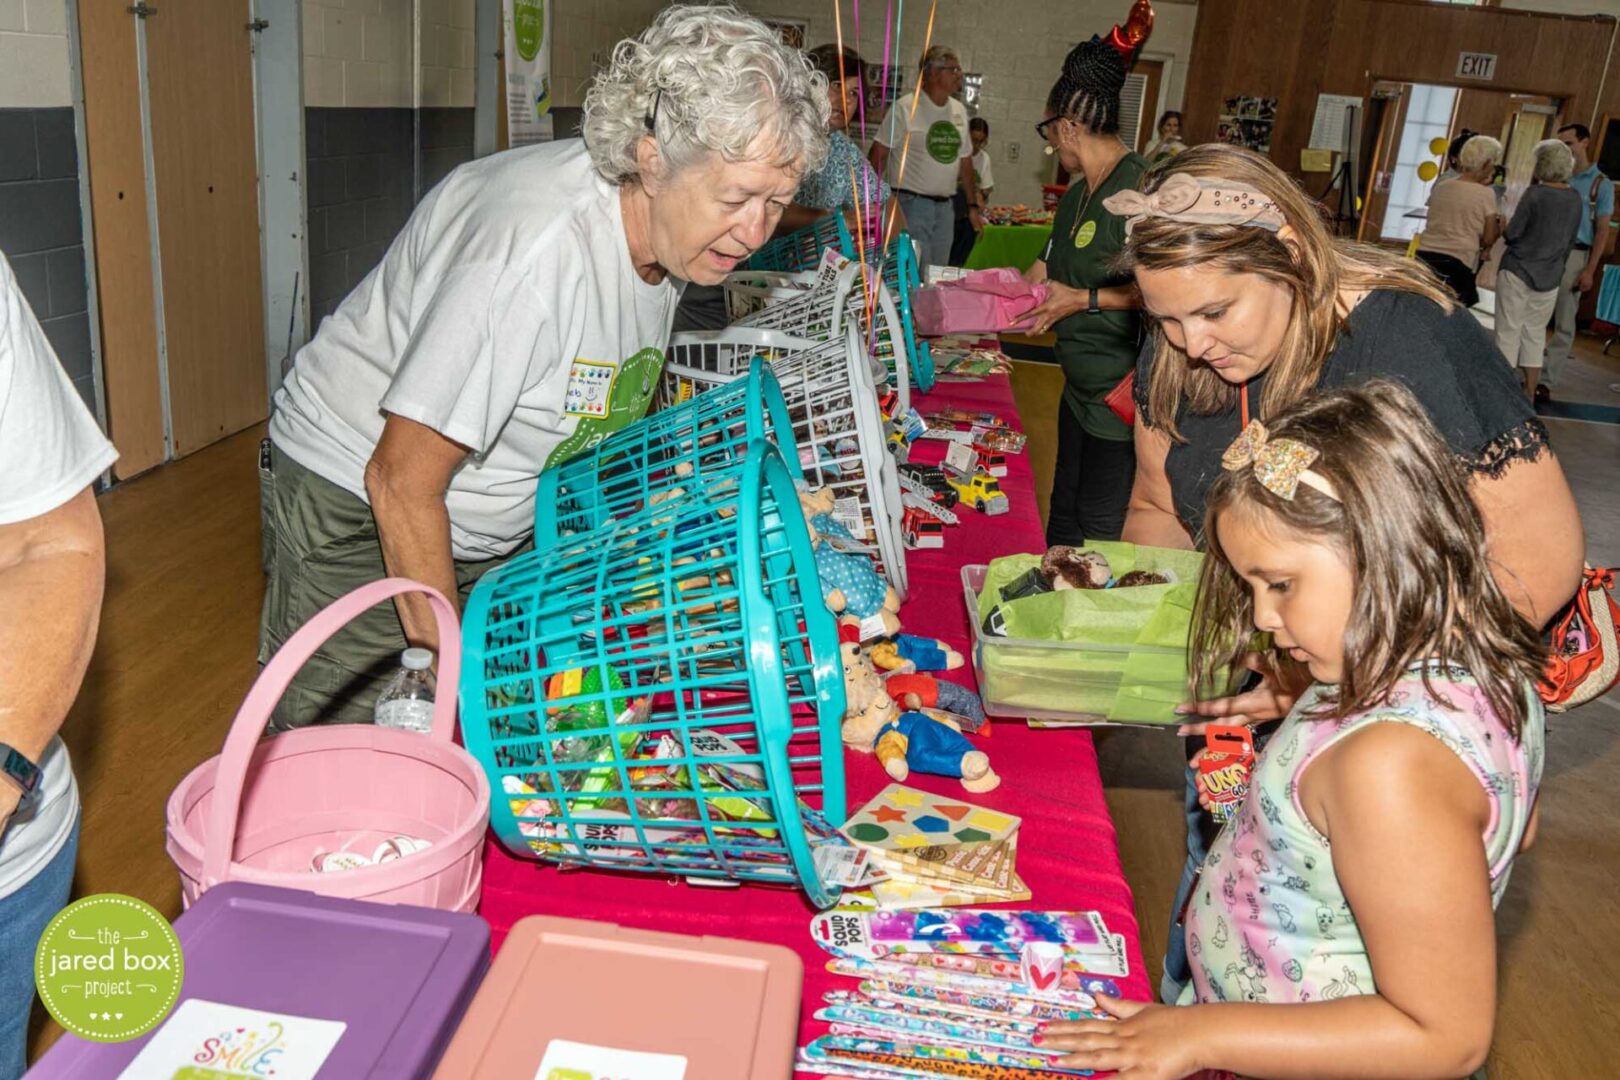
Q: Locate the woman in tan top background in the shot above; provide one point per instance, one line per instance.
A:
(1463, 218)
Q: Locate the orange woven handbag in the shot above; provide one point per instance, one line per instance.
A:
(1584, 662)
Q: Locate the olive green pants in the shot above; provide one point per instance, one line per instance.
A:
(319, 543)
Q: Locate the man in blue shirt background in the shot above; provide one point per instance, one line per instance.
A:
(1586, 257)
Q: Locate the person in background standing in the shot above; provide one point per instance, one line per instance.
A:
(1169, 142)
(846, 181)
(1092, 307)
(1539, 241)
(965, 234)
(1453, 152)
(923, 151)
(1591, 245)
(1463, 219)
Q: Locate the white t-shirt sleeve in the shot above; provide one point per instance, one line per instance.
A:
(982, 163)
(484, 337)
(959, 117)
(50, 446)
(886, 134)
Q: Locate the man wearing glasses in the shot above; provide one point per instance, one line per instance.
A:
(925, 152)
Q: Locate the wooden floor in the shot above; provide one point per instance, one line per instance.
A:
(176, 656)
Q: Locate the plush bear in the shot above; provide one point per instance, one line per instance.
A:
(905, 740)
(1070, 568)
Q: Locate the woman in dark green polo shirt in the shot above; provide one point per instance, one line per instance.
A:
(1092, 307)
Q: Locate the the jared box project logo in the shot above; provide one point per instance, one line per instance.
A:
(109, 968)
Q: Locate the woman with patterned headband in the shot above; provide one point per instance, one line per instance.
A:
(1254, 305)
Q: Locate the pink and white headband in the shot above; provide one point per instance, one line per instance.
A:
(1198, 201)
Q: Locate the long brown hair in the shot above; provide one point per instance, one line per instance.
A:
(1405, 524)
(1315, 274)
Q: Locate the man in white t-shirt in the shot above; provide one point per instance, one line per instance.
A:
(52, 568)
(518, 319)
(923, 149)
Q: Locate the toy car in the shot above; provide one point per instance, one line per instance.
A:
(934, 480)
(978, 490)
(920, 529)
(991, 461)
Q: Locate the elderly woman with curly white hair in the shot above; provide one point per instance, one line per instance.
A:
(1544, 228)
(1463, 221)
(520, 317)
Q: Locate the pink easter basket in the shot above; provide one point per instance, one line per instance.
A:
(262, 810)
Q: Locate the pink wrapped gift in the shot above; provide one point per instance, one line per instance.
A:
(985, 301)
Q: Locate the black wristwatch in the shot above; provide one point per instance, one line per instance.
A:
(20, 771)
(1091, 304)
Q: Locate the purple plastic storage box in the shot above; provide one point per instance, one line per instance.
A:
(398, 978)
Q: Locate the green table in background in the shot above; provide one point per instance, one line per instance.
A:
(1017, 246)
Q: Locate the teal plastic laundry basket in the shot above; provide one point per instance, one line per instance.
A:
(691, 444)
(663, 694)
(801, 249)
(902, 276)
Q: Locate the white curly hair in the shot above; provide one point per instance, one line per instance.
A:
(1478, 152)
(710, 80)
(1555, 162)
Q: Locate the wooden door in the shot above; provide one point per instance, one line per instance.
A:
(1375, 191)
(123, 252)
(1528, 121)
(200, 84)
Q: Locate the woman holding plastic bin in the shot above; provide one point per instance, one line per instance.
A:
(1091, 306)
(519, 318)
(1254, 306)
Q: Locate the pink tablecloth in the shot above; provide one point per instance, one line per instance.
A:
(1067, 851)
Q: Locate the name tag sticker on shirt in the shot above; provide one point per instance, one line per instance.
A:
(590, 388)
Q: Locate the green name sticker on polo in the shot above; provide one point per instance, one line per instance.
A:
(529, 26)
(1084, 234)
(109, 967)
(944, 142)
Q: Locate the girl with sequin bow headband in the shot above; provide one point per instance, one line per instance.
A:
(1360, 872)
(1253, 306)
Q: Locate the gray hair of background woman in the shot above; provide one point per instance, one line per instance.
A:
(1554, 162)
(1478, 152)
(706, 80)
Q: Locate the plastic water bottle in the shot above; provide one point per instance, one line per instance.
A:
(407, 704)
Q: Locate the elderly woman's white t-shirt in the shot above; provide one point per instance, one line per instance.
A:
(506, 316)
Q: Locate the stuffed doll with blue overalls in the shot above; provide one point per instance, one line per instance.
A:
(850, 582)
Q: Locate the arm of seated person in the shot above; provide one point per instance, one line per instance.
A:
(406, 480)
(52, 571)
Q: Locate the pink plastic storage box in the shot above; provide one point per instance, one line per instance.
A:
(730, 1008)
(398, 978)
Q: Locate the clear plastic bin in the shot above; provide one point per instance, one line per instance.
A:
(1024, 677)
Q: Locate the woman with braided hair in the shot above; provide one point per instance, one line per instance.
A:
(1092, 307)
